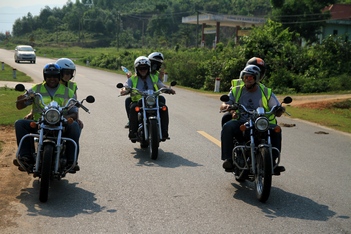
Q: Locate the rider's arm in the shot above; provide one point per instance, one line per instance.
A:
(273, 101)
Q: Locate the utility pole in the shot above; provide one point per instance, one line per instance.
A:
(197, 29)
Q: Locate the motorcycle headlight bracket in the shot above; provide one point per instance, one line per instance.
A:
(52, 116)
(262, 124)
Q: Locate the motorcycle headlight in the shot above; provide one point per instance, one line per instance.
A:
(262, 124)
(52, 116)
(150, 100)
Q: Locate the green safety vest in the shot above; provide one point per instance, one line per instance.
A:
(72, 85)
(266, 95)
(136, 97)
(61, 96)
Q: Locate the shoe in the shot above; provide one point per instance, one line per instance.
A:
(132, 136)
(278, 169)
(165, 137)
(26, 160)
(127, 125)
(74, 169)
(228, 165)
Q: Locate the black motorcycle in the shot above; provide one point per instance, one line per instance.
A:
(253, 158)
(49, 144)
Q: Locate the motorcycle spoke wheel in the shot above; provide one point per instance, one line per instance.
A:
(154, 139)
(45, 172)
(263, 177)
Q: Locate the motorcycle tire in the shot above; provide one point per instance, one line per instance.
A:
(154, 139)
(48, 152)
(263, 177)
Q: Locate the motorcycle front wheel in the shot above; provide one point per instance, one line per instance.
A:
(263, 177)
(154, 138)
(45, 172)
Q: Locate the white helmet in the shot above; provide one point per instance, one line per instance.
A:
(142, 60)
(66, 64)
(156, 59)
(156, 56)
(251, 70)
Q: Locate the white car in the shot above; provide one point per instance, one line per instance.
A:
(24, 53)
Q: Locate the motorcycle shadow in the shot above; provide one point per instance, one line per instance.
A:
(65, 200)
(284, 204)
(165, 159)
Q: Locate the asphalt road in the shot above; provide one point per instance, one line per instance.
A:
(121, 190)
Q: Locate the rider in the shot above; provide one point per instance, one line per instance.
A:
(252, 95)
(50, 89)
(143, 81)
(235, 82)
(68, 70)
(156, 59)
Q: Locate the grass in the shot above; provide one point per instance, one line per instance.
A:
(9, 113)
(337, 116)
(7, 75)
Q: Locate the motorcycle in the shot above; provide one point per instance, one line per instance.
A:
(149, 122)
(253, 158)
(49, 144)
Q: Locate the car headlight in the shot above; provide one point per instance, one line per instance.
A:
(150, 100)
(52, 116)
(262, 124)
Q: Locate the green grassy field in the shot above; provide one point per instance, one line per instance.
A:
(8, 74)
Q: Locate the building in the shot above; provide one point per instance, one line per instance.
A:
(339, 22)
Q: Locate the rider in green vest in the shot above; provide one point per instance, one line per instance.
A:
(143, 80)
(50, 89)
(156, 59)
(235, 82)
(252, 95)
(68, 71)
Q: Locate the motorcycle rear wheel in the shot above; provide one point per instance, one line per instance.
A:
(154, 139)
(263, 177)
(45, 172)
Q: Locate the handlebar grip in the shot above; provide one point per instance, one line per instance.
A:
(84, 108)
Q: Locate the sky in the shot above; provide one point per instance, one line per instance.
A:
(10, 10)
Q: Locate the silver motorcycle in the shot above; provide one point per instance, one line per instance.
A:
(149, 121)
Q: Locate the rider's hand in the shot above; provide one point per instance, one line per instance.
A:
(280, 110)
(124, 92)
(224, 107)
(29, 116)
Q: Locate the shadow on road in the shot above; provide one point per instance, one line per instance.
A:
(65, 200)
(284, 204)
(165, 159)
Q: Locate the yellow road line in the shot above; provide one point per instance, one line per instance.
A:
(211, 138)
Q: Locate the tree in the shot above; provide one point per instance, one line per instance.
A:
(304, 17)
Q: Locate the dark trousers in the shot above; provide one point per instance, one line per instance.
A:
(231, 129)
(22, 127)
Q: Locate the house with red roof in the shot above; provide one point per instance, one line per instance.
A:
(339, 22)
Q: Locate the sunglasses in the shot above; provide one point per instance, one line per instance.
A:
(249, 77)
(143, 68)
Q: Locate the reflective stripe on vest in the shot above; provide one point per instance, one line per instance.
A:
(136, 97)
(266, 95)
(72, 85)
(61, 96)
